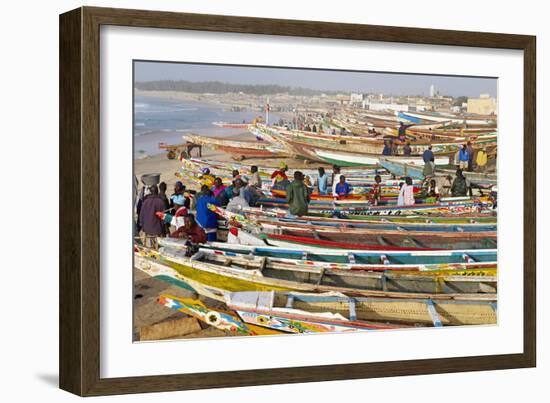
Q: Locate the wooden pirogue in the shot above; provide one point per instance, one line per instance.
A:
(472, 206)
(294, 321)
(238, 148)
(393, 285)
(288, 311)
(396, 237)
(483, 218)
(376, 257)
(217, 282)
(374, 225)
(219, 256)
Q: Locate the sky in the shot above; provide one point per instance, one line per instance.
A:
(327, 80)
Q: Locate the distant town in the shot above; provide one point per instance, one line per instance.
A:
(241, 98)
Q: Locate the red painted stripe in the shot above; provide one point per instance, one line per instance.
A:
(341, 245)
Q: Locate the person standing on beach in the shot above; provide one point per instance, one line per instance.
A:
(376, 189)
(428, 155)
(463, 158)
(322, 181)
(297, 195)
(406, 194)
(402, 131)
(218, 187)
(206, 218)
(279, 180)
(178, 199)
(207, 178)
(432, 193)
(387, 148)
(460, 186)
(255, 179)
(162, 194)
(151, 226)
(470, 149)
(407, 149)
(481, 160)
(342, 187)
(335, 178)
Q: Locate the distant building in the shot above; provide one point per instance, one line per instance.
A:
(432, 91)
(356, 98)
(484, 105)
(386, 106)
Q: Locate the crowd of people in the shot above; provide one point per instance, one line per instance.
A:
(245, 191)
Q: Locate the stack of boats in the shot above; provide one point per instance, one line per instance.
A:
(348, 264)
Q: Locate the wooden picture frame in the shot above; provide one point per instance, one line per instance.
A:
(80, 197)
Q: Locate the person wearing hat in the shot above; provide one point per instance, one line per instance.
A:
(207, 178)
(178, 199)
(279, 180)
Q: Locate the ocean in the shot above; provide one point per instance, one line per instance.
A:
(164, 120)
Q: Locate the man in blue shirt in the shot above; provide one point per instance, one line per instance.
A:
(428, 155)
(463, 157)
(206, 218)
(342, 187)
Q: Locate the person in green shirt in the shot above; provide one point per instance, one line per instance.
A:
(297, 195)
(459, 187)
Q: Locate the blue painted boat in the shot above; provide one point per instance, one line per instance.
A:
(361, 256)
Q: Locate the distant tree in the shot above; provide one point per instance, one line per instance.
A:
(460, 100)
(217, 87)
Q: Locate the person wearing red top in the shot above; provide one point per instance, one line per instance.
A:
(190, 230)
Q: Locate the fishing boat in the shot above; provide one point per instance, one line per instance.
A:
(416, 172)
(228, 125)
(352, 159)
(326, 224)
(251, 149)
(215, 253)
(358, 283)
(472, 206)
(196, 308)
(429, 238)
(375, 257)
(485, 218)
(265, 309)
(276, 309)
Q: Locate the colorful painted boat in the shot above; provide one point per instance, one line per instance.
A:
(237, 148)
(472, 206)
(231, 125)
(277, 309)
(420, 239)
(265, 309)
(351, 159)
(416, 172)
(345, 225)
(375, 257)
(197, 309)
(218, 280)
(486, 218)
(225, 257)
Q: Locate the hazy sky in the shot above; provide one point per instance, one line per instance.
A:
(396, 84)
